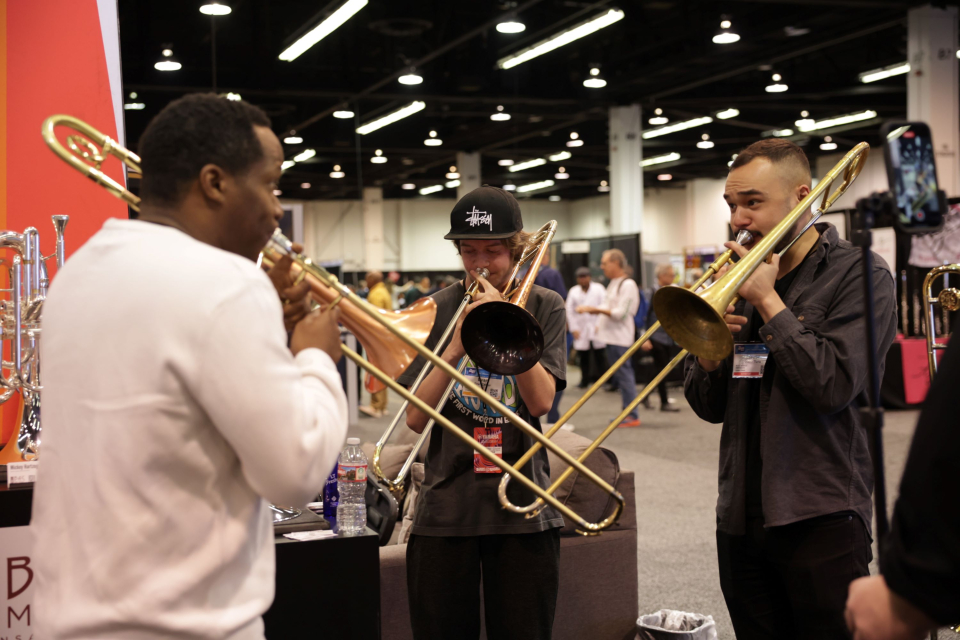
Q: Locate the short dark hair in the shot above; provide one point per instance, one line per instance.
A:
(193, 131)
(777, 151)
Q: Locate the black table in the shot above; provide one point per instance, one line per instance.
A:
(325, 588)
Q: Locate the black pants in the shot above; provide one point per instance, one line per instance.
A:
(593, 362)
(521, 577)
(790, 582)
(661, 358)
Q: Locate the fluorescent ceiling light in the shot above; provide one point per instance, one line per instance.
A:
(664, 177)
(453, 175)
(594, 83)
(554, 198)
(235, 97)
(343, 114)
(500, 116)
(533, 186)
(676, 126)
(563, 175)
(564, 37)
(505, 162)
(336, 175)
(287, 164)
(378, 157)
(167, 65)
(777, 133)
(511, 26)
(705, 144)
(215, 9)
(837, 121)
(529, 164)
(806, 122)
(306, 154)
(887, 72)
(433, 142)
(391, 117)
(667, 157)
(777, 87)
(726, 37)
(452, 184)
(726, 114)
(557, 157)
(574, 143)
(292, 140)
(410, 78)
(828, 146)
(431, 189)
(134, 106)
(409, 186)
(509, 187)
(304, 185)
(322, 30)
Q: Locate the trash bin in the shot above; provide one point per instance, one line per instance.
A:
(676, 625)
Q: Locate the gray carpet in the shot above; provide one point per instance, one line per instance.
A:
(675, 458)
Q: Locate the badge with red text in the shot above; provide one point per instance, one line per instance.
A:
(749, 360)
(491, 438)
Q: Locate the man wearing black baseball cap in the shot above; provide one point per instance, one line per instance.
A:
(459, 531)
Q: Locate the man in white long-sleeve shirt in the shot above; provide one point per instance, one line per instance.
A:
(173, 408)
(583, 326)
(617, 327)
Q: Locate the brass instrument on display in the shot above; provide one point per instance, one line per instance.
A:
(702, 332)
(948, 299)
(326, 288)
(21, 326)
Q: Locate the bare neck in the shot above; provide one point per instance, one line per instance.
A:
(792, 258)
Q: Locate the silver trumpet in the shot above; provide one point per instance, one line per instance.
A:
(20, 312)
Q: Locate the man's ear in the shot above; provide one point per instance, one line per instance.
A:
(802, 192)
(213, 181)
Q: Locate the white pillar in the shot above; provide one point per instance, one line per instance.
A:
(468, 166)
(626, 175)
(932, 86)
(373, 248)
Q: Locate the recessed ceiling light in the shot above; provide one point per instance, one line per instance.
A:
(433, 140)
(574, 140)
(322, 30)
(777, 86)
(336, 174)
(233, 97)
(778, 133)
(500, 116)
(561, 174)
(554, 198)
(658, 118)
(604, 187)
(409, 186)
(509, 187)
(725, 35)
(511, 26)
(410, 78)
(378, 157)
(505, 162)
(304, 185)
(705, 142)
(594, 81)
(452, 174)
(292, 139)
(134, 106)
(663, 177)
(559, 39)
(133, 95)
(828, 144)
(215, 9)
(726, 114)
(343, 114)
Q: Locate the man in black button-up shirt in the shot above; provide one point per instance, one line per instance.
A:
(795, 476)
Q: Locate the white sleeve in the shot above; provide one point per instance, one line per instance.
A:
(621, 308)
(285, 418)
(573, 318)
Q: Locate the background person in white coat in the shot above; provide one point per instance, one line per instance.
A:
(591, 351)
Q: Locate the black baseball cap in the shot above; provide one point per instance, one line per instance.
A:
(486, 213)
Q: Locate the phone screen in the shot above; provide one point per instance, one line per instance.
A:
(912, 172)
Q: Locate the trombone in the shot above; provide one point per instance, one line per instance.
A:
(324, 286)
(850, 165)
(485, 350)
(948, 299)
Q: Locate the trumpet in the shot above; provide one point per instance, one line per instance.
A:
(948, 299)
(850, 165)
(324, 285)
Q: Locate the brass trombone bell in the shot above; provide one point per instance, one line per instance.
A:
(695, 321)
(948, 299)
(503, 337)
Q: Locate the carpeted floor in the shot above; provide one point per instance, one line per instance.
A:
(674, 456)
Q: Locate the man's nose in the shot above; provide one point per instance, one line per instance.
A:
(740, 221)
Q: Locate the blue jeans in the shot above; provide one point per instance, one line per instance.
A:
(554, 413)
(624, 377)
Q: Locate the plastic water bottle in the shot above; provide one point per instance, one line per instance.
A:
(352, 485)
(331, 495)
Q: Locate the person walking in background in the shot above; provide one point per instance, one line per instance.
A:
(616, 327)
(550, 278)
(590, 350)
(379, 296)
(660, 345)
(417, 291)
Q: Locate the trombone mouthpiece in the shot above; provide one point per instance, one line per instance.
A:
(483, 272)
(744, 236)
(281, 242)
